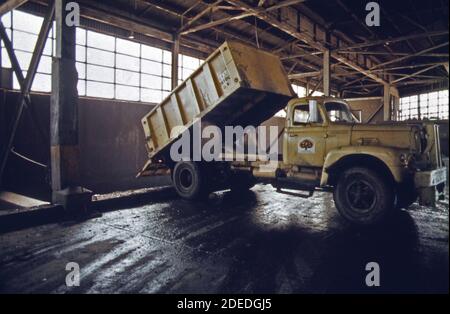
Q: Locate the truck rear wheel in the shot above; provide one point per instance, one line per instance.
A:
(363, 197)
(189, 181)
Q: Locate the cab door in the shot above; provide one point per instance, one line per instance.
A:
(305, 139)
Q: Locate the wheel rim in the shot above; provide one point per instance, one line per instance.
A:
(186, 178)
(361, 195)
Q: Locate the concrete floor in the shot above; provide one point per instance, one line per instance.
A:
(260, 242)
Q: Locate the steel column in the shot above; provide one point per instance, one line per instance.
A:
(65, 153)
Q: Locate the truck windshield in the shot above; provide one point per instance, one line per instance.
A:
(339, 112)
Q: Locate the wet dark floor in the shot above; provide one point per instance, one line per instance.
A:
(258, 242)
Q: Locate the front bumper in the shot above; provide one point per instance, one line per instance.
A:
(430, 185)
(432, 178)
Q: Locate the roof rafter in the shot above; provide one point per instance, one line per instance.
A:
(292, 31)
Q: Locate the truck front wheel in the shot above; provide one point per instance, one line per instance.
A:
(363, 196)
(189, 181)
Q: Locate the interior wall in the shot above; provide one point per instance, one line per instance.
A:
(111, 144)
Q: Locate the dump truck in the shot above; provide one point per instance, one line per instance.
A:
(371, 169)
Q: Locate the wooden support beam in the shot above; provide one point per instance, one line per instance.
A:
(10, 5)
(395, 40)
(387, 102)
(215, 23)
(423, 82)
(304, 75)
(303, 36)
(314, 89)
(394, 24)
(326, 73)
(415, 73)
(186, 30)
(199, 15)
(404, 67)
(401, 84)
(284, 4)
(175, 54)
(409, 56)
(399, 54)
(302, 55)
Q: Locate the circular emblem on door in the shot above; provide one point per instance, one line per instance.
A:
(306, 146)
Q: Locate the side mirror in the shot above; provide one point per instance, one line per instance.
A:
(313, 111)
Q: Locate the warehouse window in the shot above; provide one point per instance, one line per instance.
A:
(409, 108)
(186, 66)
(108, 67)
(430, 106)
(23, 30)
(115, 68)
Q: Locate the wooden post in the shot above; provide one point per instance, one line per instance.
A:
(65, 154)
(387, 102)
(326, 73)
(175, 54)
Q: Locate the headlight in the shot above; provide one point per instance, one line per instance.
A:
(406, 160)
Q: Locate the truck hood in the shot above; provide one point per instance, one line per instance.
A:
(400, 136)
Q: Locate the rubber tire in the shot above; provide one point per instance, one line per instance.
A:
(197, 189)
(406, 195)
(384, 195)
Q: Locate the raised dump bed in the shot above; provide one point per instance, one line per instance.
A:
(236, 85)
